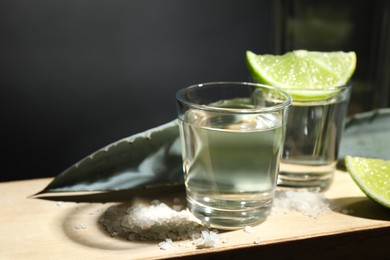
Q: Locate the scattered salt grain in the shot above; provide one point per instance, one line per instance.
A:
(345, 211)
(308, 203)
(187, 245)
(60, 203)
(224, 240)
(208, 239)
(249, 229)
(94, 212)
(257, 240)
(167, 244)
(81, 226)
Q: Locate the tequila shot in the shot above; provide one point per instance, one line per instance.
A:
(313, 137)
(232, 137)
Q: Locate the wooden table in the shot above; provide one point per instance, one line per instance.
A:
(41, 229)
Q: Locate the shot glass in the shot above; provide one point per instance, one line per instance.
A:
(312, 140)
(232, 137)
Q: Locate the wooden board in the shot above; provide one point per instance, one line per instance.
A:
(40, 229)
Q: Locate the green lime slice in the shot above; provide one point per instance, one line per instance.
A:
(306, 75)
(372, 176)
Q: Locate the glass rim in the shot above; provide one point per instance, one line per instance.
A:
(309, 96)
(327, 89)
(276, 107)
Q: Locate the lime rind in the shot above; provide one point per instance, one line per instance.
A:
(372, 176)
(311, 95)
(305, 75)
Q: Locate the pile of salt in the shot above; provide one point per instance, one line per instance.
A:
(308, 203)
(157, 222)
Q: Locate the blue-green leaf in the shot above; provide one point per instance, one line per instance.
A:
(148, 159)
(367, 135)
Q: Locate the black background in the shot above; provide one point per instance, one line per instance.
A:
(76, 75)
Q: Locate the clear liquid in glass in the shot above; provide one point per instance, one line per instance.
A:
(310, 152)
(231, 164)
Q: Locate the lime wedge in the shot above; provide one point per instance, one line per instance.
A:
(372, 176)
(306, 75)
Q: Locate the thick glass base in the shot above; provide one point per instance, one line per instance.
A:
(232, 218)
(302, 177)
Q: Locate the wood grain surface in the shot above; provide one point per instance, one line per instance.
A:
(41, 229)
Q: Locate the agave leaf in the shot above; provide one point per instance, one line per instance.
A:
(150, 162)
(148, 159)
(367, 135)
